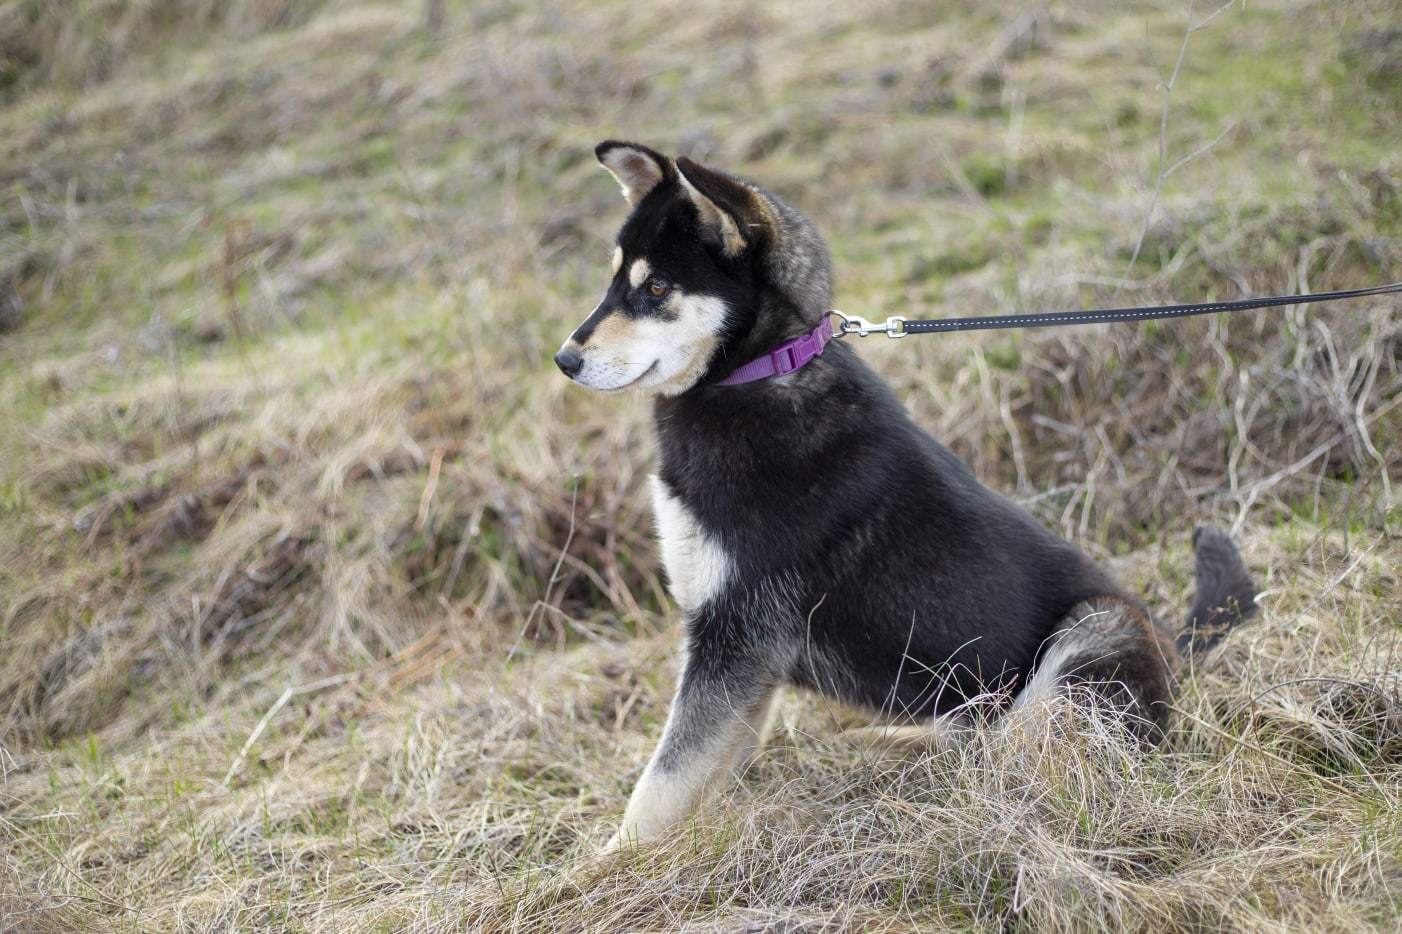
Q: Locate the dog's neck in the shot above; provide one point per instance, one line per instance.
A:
(783, 423)
(777, 320)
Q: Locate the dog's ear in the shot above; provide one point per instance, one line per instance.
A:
(733, 215)
(637, 168)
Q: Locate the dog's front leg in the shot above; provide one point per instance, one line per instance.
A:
(711, 724)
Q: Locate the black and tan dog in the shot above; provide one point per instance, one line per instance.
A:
(812, 533)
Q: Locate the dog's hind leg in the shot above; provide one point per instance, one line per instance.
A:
(1111, 648)
(761, 724)
(717, 715)
(943, 732)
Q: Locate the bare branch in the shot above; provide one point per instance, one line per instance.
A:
(1164, 169)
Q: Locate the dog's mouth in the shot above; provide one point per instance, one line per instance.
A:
(635, 380)
(642, 376)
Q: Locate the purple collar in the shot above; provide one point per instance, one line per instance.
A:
(789, 356)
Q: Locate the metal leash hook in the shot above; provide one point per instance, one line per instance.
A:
(893, 327)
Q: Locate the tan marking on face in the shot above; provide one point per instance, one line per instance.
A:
(652, 353)
(693, 335)
(617, 259)
(611, 332)
(638, 272)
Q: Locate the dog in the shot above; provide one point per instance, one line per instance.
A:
(811, 533)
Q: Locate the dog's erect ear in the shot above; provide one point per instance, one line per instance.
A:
(637, 168)
(733, 215)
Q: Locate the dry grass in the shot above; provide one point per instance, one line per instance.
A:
(326, 605)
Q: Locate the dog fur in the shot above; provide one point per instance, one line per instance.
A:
(812, 534)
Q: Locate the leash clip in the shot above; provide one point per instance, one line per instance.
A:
(893, 327)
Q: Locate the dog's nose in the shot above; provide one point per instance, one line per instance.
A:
(569, 361)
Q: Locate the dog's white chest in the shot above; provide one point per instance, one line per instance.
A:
(697, 566)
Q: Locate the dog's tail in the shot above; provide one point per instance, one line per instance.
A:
(1226, 593)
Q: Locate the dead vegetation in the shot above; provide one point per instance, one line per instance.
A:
(325, 605)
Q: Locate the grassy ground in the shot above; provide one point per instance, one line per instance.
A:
(325, 604)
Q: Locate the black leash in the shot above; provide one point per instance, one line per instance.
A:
(901, 327)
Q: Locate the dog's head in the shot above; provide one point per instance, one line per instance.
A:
(705, 267)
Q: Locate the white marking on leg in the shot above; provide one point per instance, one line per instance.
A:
(1089, 634)
(697, 566)
(667, 796)
(1042, 685)
(663, 799)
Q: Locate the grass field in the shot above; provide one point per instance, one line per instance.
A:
(326, 604)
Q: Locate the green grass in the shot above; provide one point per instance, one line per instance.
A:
(274, 265)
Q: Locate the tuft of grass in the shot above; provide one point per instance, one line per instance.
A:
(326, 605)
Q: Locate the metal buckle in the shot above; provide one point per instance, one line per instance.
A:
(893, 327)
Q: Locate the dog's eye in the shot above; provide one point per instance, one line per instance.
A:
(657, 288)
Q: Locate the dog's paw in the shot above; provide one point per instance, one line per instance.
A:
(589, 869)
(623, 840)
(614, 844)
